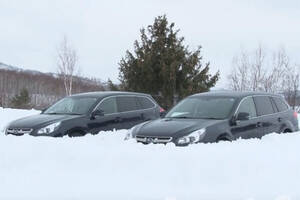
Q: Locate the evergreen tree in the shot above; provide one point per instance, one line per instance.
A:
(112, 86)
(21, 100)
(163, 66)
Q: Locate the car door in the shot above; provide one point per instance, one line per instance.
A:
(266, 113)
(281, 116)
(130, 112)
(110, 118)
(247, 128)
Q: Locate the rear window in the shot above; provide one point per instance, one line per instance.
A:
(263, 105)
(281, 105)
(127, 104)
(145, 102)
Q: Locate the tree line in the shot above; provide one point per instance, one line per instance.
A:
(42, 89)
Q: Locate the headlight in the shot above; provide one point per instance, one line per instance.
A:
(194, 137)
(5, 129)
(132, 132)
(129, 133)
(49, 129)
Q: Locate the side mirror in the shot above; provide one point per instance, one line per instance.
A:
(97, 113)
(44, 109)
(243, 116)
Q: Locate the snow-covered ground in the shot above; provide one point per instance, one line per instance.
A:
(107, 167)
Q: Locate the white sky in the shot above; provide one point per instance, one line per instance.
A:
(102, 31)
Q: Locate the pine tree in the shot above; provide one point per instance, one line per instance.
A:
(163, 66)
(21, 100)
(112, 86)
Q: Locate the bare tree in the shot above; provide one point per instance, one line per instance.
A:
(278, 69)
(265, 71)
(239, 76)
(291, 84)
(248, 70)
(67, 64)
(257, 69)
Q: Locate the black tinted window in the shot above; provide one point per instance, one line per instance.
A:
(127, 104)
(248, 106)
(108, 105)
(145, 102)
(281, 105)
(263, 105)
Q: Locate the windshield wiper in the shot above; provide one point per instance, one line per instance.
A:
(73, 113)
(182, 117)
(53, 113)
(209, 118)
(56, 113)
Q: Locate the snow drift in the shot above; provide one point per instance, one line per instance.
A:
(107, 167)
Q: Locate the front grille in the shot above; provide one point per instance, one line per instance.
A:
(18, 131)
(153, 139)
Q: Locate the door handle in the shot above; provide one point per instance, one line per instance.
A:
(279, 119)
(259, 124)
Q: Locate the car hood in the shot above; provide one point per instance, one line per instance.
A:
(174, 127)
(40, 120)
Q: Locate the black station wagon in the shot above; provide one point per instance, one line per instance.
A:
(216, 116)
(92, 112)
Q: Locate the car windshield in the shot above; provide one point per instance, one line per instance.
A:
(203, 108)
(72, 105)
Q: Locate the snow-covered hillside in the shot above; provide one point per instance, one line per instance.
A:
(18, 69)
(107, 167)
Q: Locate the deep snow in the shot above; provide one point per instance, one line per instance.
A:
(107, 167)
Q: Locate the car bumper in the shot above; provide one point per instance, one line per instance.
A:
(32, 132)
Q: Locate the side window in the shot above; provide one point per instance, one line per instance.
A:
(281, 105)
(273, 105)
(263, 105)
(127, 103)
(248, 106)
(108, 106)
(145, 102)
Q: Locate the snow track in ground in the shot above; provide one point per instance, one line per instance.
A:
(107, 167)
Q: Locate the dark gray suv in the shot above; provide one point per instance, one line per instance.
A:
(92, 112)
(216, 116)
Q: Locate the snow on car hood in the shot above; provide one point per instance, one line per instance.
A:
(38, 120)
(172, 127)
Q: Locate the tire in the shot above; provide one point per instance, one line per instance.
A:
(287, 131)
(222, 139)
(76, 134)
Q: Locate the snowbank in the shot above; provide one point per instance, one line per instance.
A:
(107, 167)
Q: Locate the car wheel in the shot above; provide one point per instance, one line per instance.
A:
(223, 139)
(76, 134)
(287, 131)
